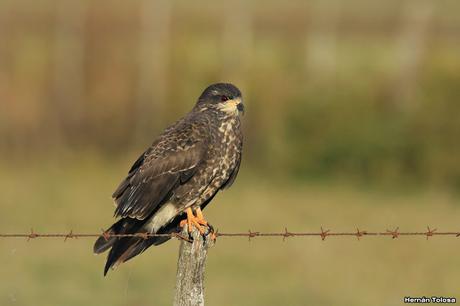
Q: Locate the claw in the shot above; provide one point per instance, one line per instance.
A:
(197, 221)
(213, 235)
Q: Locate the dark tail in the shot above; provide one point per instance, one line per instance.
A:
(125, 248)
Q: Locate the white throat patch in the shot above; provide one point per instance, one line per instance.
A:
(230, 106)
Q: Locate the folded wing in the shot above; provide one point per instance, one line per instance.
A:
(155, 175)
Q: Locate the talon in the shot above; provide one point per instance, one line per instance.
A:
(213, 236)
(198, 226)
(194, 221)
(183, 223)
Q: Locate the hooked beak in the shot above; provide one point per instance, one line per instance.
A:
(240, 107)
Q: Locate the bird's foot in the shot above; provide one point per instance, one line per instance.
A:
(200, 217)
(197, 221)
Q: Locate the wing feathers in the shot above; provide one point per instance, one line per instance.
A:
(153, 179)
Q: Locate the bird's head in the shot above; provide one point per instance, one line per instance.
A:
(223, 97)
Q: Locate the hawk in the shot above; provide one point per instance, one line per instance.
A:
(178, 175)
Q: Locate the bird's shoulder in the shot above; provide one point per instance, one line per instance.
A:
(187, 136)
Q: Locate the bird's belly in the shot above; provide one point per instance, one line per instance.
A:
(214, 173)
(219, 176)
(201, 187)
(162, 217)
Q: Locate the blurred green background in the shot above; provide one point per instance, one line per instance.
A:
(352, 120)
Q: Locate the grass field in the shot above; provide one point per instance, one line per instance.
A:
(65, 194)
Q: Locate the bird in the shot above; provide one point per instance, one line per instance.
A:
(170, 184)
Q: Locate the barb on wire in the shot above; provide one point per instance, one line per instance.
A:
(287, 234)
(69, 235)
(394, 234)
(249, 234)
(360, 233)
(430, 232)
(32, 235)
(105, 234)
(324, 233)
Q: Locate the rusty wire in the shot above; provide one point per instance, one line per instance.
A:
(323, 234)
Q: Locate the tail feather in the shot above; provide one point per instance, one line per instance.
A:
(125, 248)
(121, 251)
(106, 241)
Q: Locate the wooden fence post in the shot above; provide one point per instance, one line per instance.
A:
(190, 269)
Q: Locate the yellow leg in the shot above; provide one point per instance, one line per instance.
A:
(202, 221)
(200, 217)
(193, 221)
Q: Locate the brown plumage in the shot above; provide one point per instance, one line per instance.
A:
(184, 168)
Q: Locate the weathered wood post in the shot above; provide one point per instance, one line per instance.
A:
(190, 269)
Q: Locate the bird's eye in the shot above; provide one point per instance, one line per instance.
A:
(223, 98)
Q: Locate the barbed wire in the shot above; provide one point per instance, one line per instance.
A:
(323, 234)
